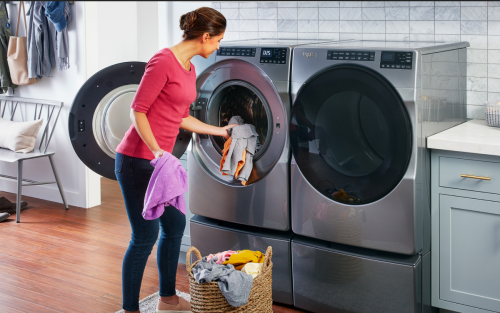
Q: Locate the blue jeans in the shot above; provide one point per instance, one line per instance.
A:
(133, 174)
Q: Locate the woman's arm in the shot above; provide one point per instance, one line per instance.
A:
(196, 126)
(143, 128)
(190, 123)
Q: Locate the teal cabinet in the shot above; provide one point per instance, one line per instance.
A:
(465, 215)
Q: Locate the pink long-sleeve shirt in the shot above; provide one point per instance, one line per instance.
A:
(164, 95)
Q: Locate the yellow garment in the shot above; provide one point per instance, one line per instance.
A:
(243, 257)
(253, 269)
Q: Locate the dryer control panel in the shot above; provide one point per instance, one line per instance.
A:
(350, 55)
(396, 60)
(273, 55)
(237, 51)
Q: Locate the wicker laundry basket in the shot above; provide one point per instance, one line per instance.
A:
(208, 298)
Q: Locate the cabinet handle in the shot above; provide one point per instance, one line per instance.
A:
(475, 177)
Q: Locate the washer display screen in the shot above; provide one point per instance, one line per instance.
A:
(396, 60)
(267, 53)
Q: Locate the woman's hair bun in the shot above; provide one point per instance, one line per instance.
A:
(200, 21)
(188, 20)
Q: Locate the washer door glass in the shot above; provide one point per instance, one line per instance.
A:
(238, 88)
(237, 98)
(350, 134)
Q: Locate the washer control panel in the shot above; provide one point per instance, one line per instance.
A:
(235, 51)
(273, 55)
(396, 60)
(350, 55)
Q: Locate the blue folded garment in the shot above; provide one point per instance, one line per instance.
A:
(55, 13)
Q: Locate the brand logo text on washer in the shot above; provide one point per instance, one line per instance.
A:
(309, 54)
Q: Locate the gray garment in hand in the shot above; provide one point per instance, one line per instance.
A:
(235, 120)
(234, 285)
(243, 137)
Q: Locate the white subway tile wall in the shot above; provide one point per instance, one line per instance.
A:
(477, 22)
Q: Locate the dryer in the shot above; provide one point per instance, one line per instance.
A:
(360, 194)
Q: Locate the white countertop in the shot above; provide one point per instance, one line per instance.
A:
(472, 137)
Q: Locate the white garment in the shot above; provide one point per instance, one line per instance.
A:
(253, 269)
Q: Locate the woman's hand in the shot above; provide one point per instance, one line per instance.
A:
(158, 153)
(194, 125)
(224, 129)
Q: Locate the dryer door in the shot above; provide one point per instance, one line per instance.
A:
(350, 134)
(236, 87)
(99, 116)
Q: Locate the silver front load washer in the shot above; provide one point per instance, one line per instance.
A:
(243, 81)
(250, 79)
(360, 194)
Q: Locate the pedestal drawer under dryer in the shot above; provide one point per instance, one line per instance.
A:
(329, 277)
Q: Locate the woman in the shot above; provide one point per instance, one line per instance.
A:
(160, 107)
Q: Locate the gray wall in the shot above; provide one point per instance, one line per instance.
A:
(477, 22)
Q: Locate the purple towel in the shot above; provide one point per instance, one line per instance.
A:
(166, 187)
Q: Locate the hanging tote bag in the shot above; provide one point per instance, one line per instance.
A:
(17, 54)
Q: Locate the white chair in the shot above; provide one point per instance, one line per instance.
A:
(49, 111)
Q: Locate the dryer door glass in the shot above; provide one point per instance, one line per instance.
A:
(350, 134)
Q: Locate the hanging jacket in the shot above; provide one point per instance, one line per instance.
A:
(54, 11)
(41, 53)
(59, 16)
(5, 80)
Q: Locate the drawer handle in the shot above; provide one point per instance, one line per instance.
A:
(475, 177)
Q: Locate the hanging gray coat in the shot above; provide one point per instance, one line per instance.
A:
(41, 50)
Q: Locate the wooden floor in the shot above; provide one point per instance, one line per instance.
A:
(70, 261)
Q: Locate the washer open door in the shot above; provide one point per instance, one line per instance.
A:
(100, 116)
